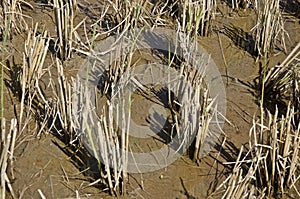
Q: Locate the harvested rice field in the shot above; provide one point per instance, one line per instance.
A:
(150, 99)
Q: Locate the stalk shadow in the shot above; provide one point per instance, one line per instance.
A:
(291, 7)
(240, 38)
(185, 190)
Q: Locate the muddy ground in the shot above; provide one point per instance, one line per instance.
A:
(41, 163)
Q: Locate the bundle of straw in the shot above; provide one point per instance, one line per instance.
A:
(269, 30)
(64, 12)
(11, 17)
(281, 82)
(240, 182)
(279, 144)
(32, 96)
(197, 16)
(271, 166)
(102, 138)
(7, 146)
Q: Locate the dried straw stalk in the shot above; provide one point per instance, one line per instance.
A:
(269, 30)
(102, 136)
(36, 48)
(64, 12)
(197, 16)
(279, 143)
(282, 81)
(239, 184)
(11, 16)
(271, 166)
(7, 146)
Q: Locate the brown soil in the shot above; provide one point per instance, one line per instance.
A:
(43, 164)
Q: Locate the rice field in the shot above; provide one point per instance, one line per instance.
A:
(150, 99)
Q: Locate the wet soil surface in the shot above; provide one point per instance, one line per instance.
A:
(41, 164)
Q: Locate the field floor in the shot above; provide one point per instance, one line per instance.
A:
(44, 163)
